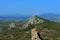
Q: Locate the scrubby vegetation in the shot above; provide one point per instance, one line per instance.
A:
(49, 30)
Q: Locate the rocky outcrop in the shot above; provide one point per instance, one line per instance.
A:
(34, 35)
(35, 20)
(12, 25)
(32, 21)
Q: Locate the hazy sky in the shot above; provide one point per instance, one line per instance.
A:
(29, 7)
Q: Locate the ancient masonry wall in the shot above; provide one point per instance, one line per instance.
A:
(34, 35)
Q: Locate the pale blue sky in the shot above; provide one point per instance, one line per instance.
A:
(29, 7)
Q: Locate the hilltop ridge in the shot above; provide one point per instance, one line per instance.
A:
(33, 21)
(21, 30)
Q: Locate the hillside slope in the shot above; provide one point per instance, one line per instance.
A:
(48, 30)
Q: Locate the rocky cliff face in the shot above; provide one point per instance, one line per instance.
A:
(35, 20)
(32, 21)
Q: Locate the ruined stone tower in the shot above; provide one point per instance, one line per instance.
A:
(34, 35)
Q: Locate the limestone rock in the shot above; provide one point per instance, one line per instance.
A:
(34, 35)
(12, 25)
(33, 20)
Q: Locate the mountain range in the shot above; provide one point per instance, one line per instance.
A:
(53, 17)
(49, 16)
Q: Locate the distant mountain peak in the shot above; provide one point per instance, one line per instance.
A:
(33, 20)
(34, 17)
